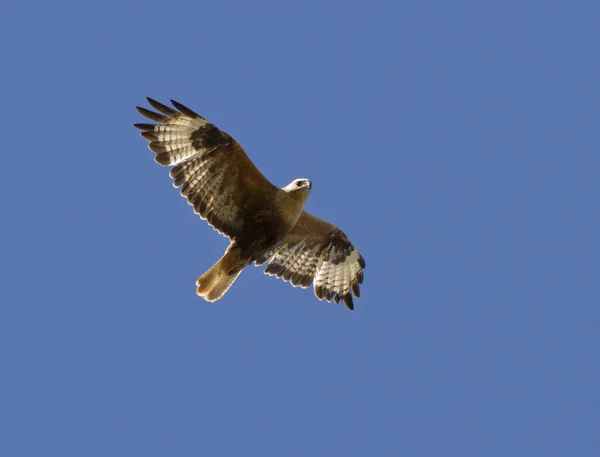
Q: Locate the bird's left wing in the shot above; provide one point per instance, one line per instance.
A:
(215, 174)
(317, 251)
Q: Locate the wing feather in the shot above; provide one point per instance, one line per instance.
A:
(162, 108)
(318, 252)
(215, 174)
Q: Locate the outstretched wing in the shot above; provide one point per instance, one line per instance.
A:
(215, 174)
(319, 252)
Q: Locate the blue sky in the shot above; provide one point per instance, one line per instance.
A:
(456, 144)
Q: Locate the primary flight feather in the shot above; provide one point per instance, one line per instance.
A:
(263, 222)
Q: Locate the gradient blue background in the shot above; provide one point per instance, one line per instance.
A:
(456, 143)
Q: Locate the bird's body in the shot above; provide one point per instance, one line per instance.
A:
(266, 222)
(262, 221)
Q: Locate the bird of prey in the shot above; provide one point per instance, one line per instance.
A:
(264, 223)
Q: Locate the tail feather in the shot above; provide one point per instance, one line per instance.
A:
(213, 284)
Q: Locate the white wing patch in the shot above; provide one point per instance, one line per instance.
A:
(338, 281)
(335, 274)
(196, 148)
(297, 264)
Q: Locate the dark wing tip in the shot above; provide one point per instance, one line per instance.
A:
(360, 277)
(356, 290)
(151, 114)
(185, 110)
(160, 107)
(162, 159)
(361, 261)
(144, 127)
(348, 302)
(157, 147)
(150, 136)
(329, 295)
(319, 292)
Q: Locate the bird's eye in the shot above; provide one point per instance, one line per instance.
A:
(298, 183)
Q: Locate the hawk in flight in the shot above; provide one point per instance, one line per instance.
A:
(263, 222)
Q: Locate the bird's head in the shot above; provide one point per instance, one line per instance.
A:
(301, 185)
(298, 189)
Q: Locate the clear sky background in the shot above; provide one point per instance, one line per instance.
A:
(456, 143)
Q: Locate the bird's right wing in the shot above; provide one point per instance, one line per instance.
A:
(215, 174)
(318, 252)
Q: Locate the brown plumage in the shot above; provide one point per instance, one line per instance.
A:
(262, 221)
